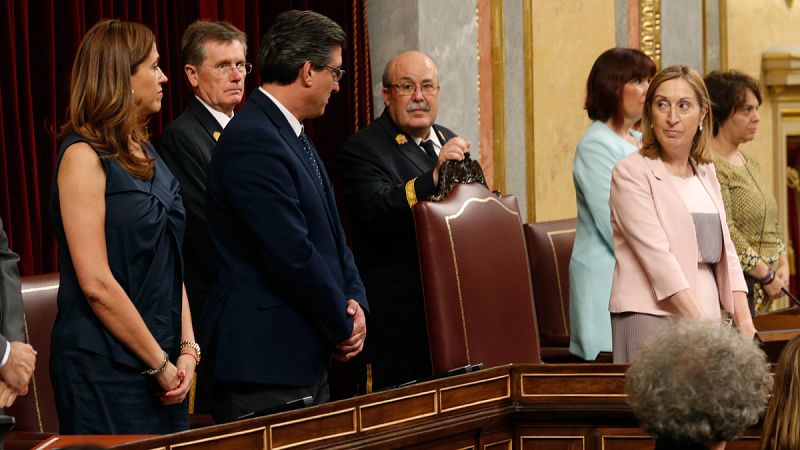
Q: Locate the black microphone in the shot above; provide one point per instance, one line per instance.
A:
(789, 294)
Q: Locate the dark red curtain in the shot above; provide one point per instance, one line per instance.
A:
(38, 42)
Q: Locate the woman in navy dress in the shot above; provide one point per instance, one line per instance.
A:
(123, 350)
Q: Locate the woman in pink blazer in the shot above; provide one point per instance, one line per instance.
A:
(674, 255)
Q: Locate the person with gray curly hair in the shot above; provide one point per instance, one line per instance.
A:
(696, 385)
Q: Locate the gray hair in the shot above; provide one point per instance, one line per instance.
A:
(698, 382)
(193, 49)
(294, 38)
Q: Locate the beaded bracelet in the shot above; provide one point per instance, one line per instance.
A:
(194, 346)
(158, 369)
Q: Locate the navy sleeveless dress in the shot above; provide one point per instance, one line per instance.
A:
(99, 388)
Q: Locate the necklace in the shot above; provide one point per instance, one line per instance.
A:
(763, 198)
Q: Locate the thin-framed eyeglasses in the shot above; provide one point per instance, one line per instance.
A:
(337, 73)
(224, 69)
(408, 88)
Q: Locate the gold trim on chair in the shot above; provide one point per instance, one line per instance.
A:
(28, 340)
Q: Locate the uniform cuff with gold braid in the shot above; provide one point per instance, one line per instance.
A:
(411, 193)
(158, 369)
(194, 346)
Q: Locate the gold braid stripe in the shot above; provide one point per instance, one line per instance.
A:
(411, 193)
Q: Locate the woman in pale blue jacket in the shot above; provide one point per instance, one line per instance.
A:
(615, 94)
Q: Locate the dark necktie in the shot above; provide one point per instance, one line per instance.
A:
(307, 147)
(428, 147)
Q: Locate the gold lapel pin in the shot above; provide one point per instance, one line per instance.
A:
(401, 139)
(216, 135)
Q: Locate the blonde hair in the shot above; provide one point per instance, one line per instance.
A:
(781, 429)
(102, 106)
(701, 144)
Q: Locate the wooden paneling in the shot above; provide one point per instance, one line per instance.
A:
(251, 439)
(552, 442)
(514, 407)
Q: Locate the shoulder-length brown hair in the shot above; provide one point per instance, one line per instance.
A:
(781, 429)
(701, 144)
(102, 106)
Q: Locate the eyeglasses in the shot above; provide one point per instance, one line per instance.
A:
(224, 69)
(406, 88)
(337, 73)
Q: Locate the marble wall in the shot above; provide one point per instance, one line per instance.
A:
(447, 30)
(753, 28)
(567, 37)
(682, 33)
(566, 40)
(514, 89)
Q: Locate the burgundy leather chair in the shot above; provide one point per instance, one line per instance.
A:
(549, 251)
(476, 280)
(37, 411)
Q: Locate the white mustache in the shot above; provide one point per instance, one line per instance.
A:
(418, 106)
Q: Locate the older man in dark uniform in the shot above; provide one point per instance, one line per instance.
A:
(386, 168)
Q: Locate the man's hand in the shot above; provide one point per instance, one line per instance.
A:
(19, 367)
(452, 150)
(7, 395)
(355, 343)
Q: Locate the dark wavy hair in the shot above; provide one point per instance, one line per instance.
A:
(294, 38)
(728, 91)
(612, 69)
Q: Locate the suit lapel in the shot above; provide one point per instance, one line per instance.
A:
(209, 123)
(293, 142)
(405, 144)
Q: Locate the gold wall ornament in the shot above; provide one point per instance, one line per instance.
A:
(792, 178)
(650, 29)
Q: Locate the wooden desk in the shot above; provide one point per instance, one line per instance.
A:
(776, 329)
(59, 441)
(569, 406)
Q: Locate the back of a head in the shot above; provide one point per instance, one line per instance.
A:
(781, 430)
(294, 38)
(698, 382)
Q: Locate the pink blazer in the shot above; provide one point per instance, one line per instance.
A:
(655, 244)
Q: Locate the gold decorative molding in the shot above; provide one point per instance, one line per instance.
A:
(530, 169)
(498, 97)
(650, 29)
(723, 35)
(782, 72)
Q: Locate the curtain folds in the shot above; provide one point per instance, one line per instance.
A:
(37, 48)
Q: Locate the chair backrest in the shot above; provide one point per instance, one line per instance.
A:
(37, 410)
(476, 280)
(549, 251)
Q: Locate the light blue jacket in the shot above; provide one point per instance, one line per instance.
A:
(592, 264)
